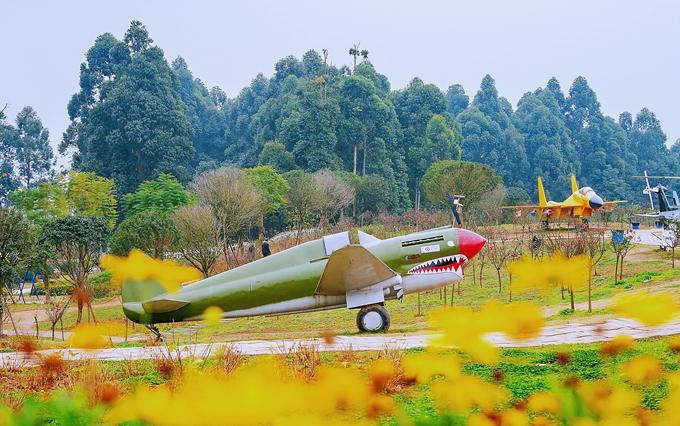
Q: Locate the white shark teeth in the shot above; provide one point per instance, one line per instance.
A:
(443, 264)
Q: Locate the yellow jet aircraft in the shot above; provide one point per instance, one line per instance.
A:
(581, 204)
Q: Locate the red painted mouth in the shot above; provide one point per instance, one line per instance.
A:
(443, 264)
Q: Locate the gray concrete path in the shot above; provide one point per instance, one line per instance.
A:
(552, 335)
(648, 237)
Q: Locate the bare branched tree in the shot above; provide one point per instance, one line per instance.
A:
(621, 242)
(595, 245)
(500, 250)
(301, 198)
(235, 203)
(200, 237)
(333, 196)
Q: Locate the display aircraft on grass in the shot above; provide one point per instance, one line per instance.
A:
(580, 204)
(322, 274)
(668, 209)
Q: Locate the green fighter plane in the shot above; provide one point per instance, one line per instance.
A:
(322, 274)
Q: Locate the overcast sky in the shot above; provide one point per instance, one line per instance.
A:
(627, 50)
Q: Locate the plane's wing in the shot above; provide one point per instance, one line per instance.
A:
(352, 268)
(521, 207)
(615, 202)
(657, 215)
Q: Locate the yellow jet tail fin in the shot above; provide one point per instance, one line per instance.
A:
(542, 201)
(574, 185)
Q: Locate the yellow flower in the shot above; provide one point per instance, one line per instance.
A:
(529, 273)
(514, 417)
(650, 310)
(674, 344)
(643, 370)
(87, 336)
(423, 366)
(212, 315)
(543, 402)
(469, 391)
(604, 400)
(380, 404)
(381, 372)
(479, 419)
(523, 320)
(139, 267)
(617, 344)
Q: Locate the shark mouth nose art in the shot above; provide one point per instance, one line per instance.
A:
(443, 264)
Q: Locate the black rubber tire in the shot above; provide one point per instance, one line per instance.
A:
(373, 318)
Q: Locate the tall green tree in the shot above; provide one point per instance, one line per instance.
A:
(439, 144)
(34, 155)
(274, 154)
(17, 242)
(8, 142)
(317, 124)
(78, 243)
(458, 100)
(272, 187)
(365, 116)
(601, 143)
(150, 231)
(648, 143)
(491, 138)
(163, 194)
(128, 120)
(541, 124)
(78, 193)
(208, 122)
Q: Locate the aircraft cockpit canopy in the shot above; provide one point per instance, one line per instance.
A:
(587, 191)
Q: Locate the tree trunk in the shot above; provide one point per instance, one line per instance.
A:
(356, 152)
(571, 297)
(481, 274)
(673, 257)
(46, 283)
(616, 270)
(500, 288)
(590, 275)
(297, 241)
(80, 311)
(260, 226)
(363, 168)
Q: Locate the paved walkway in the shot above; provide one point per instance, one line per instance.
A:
(648, 237)
(552, 335)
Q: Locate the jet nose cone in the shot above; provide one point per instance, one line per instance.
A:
(595, 202)
(470, 243)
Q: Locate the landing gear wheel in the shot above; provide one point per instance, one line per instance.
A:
(373, 318)
(156, 332)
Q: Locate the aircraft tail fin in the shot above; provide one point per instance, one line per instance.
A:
(542, 201)
(574, 185)
(140, 291)
(663, 200)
